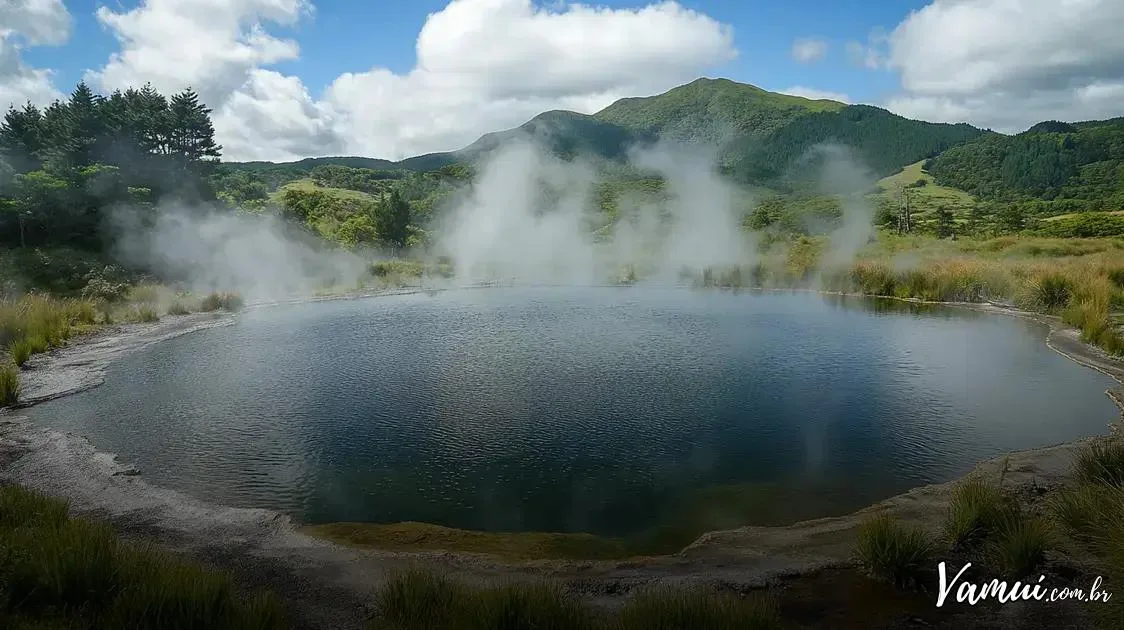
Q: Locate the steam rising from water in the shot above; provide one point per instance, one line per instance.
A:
(506, 229)
(208, 250)
(529, 217)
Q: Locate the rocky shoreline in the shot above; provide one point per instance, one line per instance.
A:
(331, 586)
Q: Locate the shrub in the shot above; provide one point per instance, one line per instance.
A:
(1089, 510)
(21, 350)
(1046, 292)
(215, 301)
(671, 610)
(9, 385)
(1101, 462)
(394, 267)
(976, 509)
(528, 606)
(1020, 544)
(892, 551)
(419, 599)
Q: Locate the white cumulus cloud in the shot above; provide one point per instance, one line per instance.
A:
(481, 65)
(1007, 64)
(29, 23)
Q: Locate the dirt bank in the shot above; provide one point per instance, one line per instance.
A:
(330, 586)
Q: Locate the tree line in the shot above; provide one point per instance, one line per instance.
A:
(62, 166)
(1071, 167)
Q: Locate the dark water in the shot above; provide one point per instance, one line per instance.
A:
(611, 411)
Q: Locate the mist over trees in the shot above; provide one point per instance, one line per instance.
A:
(66, 164)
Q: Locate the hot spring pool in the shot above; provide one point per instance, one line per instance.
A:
(614, 411)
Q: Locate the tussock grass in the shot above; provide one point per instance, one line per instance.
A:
(421, 600)
(147, 314)
(20, 507)
(977, 509)
(226, 301)
(36, 323)
(1045, 292)
(1091, 513)
(9, 384)
(1101, 462)
(1085, 512)
(1020, 544)
(397, 267)
(67, 572)
(178, 308)
(673, 610)
(892, 551)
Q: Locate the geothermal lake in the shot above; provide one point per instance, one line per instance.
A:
(607, 410)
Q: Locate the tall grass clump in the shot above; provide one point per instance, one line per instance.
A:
(226, 300)
(67, 572)
(873, 278)
(22, 348)
(35, 323)
(147, 314)
(671, 610)
(20, 507)
(892, 551)
(419, 600)
(178, 308)
(1101, 462)
(1088, 510)
(1046, 291)
(977, 508)
(9, 384)
(1020, 544)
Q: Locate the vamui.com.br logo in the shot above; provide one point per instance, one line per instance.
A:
(955, 588)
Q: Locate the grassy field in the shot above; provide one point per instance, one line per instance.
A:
(1059, 217)
(308, 185)
(925, 198)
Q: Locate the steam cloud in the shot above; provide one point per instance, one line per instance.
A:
(208, 250)
(505, 229)
(527, 218)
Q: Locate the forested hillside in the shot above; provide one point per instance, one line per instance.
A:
(884, 142)
(1065, 167)
(63, 166)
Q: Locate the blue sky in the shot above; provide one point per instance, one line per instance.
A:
(349, 36)
(298, 78)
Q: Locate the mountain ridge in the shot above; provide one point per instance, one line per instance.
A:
(763, 137)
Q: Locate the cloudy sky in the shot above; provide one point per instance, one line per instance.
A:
(394, 78)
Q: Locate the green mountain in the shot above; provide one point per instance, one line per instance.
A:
(1075, 166)
(763, 137)
(711, 111)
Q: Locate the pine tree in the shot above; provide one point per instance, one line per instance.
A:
(21, 138)
(148, 114)
(192, 137)
(945, 222)
(85, 126)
